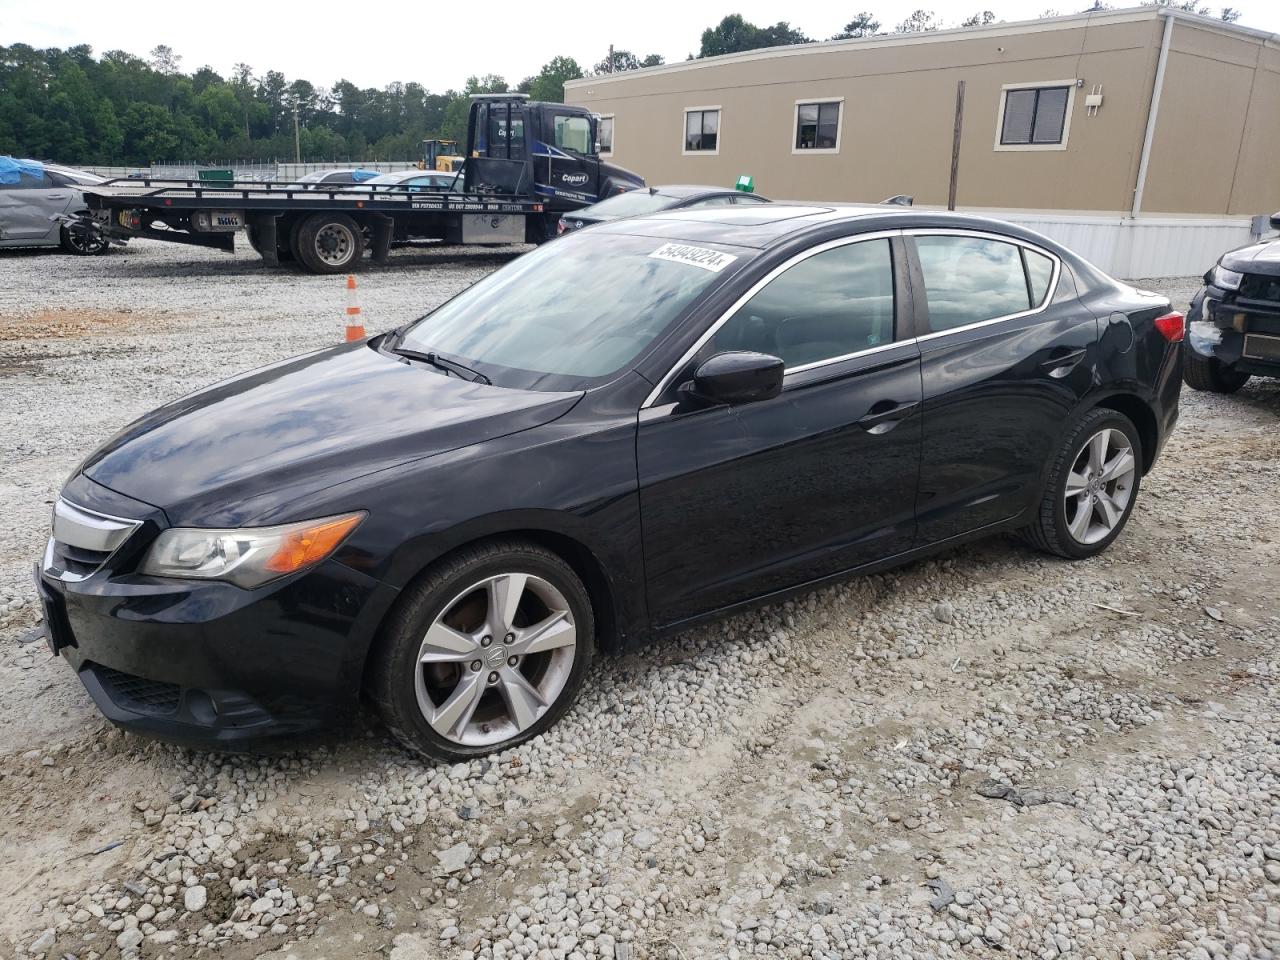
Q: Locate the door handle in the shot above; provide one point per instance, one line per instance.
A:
(55, 196)
(884, 416)
(1062, 361)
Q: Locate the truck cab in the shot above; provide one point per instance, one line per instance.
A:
(547, 150)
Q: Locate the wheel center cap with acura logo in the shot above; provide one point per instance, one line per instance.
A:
(495, 656)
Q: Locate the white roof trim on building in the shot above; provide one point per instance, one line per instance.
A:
(995, 30)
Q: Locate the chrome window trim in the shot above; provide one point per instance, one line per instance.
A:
(756, 288)
(1002, 238)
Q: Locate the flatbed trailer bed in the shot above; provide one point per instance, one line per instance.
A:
(273, 215)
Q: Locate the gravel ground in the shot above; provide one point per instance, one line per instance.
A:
(990, 753)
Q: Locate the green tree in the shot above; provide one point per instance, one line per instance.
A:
(548, 85)
(734, 34)
(979, 19)
(862, 25)
(626, 60)
(920, 21)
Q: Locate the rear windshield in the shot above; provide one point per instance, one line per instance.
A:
(573, 311)
(634, 203)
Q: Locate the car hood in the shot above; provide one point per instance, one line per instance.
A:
(1259, 258)
(241, 448)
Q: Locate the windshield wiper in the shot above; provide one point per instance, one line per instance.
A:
(441, 362)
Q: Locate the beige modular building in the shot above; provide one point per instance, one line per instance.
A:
(1148, 139)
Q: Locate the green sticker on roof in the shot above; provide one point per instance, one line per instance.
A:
(703, 257)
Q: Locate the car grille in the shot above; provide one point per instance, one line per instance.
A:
(1254, 287)
(83, 541)
(138, 694)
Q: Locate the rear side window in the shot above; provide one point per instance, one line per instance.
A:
(972, 279)
(828, 305)
(1039, 275)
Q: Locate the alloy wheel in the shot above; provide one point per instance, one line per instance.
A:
(1099, 486)
(495, 659)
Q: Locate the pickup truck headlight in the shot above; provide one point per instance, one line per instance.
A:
(1226, 279)
(247, 556)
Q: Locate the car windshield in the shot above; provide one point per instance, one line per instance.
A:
(634, 203)
(572, 311)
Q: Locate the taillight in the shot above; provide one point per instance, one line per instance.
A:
(1172, 326)
(561, 227)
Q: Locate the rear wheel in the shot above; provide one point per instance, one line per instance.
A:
(486, 651)
(329, 243)
(1208, 373)
(1092, 485)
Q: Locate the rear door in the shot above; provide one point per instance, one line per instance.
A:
(1007, 354)
(738, 502)
(26, 208)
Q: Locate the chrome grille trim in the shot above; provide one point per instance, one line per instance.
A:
(86, 532)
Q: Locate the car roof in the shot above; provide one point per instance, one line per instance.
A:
(765, 224)
(683, 191)
(400, 175)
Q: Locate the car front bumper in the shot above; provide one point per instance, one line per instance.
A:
(209, 663)
(1241, 334)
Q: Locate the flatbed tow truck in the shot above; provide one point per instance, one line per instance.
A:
(527, 163)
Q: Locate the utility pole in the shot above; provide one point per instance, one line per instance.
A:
(611, 58)
(297, 139)
(955, 146)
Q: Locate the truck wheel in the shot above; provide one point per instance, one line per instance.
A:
(1208, 373)
(329, 243)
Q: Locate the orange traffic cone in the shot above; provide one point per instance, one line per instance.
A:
(355, 325)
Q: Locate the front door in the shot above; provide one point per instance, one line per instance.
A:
(565, 166)
(1008, 354)
(739, 502)
(26, 208)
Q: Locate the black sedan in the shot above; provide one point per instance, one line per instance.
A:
(651, 200)
(613, 437)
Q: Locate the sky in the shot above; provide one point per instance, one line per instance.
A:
(439, 43)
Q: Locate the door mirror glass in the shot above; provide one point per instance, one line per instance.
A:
(738, 377)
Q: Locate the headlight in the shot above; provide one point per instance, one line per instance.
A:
(248, 556)
(1226, 279)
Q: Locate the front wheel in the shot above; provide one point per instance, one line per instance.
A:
(1208, 373)
(84, 240)
(328, 243)
(486, 651)
(1092, 485)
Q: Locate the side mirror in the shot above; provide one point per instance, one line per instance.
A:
(738, 377)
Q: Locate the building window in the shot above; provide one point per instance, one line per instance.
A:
(604, 135)
(818, 126)
(702, 130)
(1035, 117)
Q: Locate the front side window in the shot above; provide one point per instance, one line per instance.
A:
(817, 126)
(573, 133)
(605, 134)
(574, 310)
(972, 279)
(829, 305)
(701, 131)
(1036, 115)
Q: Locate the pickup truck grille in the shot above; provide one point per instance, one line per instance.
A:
(1254, 287)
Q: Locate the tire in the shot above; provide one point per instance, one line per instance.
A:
(74, 242)
(328, 243)
(454, 604)
(1059, 527)
(1208, 374)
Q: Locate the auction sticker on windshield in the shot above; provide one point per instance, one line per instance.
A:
(707, 259)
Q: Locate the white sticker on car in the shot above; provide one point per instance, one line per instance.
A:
(707, 259)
